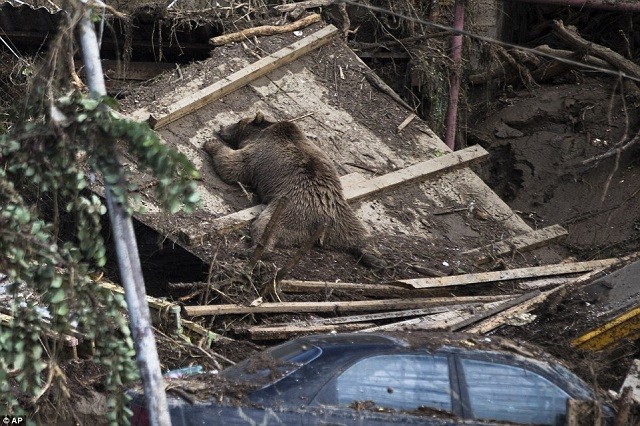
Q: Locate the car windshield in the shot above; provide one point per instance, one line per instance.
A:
(273, 364)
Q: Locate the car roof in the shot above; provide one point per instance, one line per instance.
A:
(431, 341)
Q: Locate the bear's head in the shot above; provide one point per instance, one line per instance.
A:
(239, 134)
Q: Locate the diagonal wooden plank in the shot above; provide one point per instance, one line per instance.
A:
(238, 79)
(415, 173)
(509, 274)
(348, 306)
(354, 189)
(437, 321)
(528, 241)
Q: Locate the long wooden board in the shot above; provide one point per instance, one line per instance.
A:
(238, 79)
(509, 274)
(415, 173)
(499, 319)
(438, 321)
(355, 306)
(519, 243)
(476, 317)
(355, 190)
(288, 331)
(386, 315)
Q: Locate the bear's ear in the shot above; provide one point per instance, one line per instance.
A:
(259, 118)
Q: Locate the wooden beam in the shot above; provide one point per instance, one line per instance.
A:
(438, 321)
(415, 173)
(460, 318)
(69, 342)
(354, 189)
(354, 306)
(519, 243)
(374, 290)
(499, 319)
(387, 315)
(238, 79)
(288, 331)
(494, 310)
(509, 274)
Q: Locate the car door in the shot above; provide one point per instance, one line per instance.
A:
(496, 388)
(393, 388)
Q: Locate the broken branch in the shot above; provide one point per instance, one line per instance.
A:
(264, 30)
(570, 36)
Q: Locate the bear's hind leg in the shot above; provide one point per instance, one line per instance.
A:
(264, 230)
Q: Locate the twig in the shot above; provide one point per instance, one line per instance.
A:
(266, 234)
(612, 152)
(309, 114)
(244, 190)
(301, 252)
(610, 177)
(361, 167)
(196, 347)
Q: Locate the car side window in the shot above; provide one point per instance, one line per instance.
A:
(511, 393)
(401, 382)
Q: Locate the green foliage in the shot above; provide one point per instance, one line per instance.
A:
(55, 153)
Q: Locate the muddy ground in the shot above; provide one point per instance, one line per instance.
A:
(538, 138)
(543, 143)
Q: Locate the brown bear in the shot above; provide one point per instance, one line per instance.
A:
(283, 166)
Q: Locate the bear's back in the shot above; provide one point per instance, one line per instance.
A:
(285, 161)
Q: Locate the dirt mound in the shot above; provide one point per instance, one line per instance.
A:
(543, 144)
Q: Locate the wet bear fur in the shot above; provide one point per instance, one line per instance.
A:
(280, 163)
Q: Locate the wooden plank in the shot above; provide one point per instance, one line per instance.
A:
(374, 290)
(433, 322)
(288, 331)
(509, 274)
(415, 173)
(499, 319)
(238, 79)
(460, 318)
(354, 190)
(492, 311)
(519, 243)
(355, 306)
(387, 315)
(69, 342)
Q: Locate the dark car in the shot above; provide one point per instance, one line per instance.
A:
(385, 378)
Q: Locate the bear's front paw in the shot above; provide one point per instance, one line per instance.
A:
(212, 146)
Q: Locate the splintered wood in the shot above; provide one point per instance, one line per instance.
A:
(474, 314)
